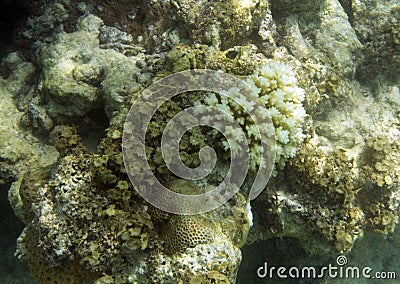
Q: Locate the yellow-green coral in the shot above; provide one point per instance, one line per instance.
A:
(212, 277)
(327, 180)
(383, 158)
(381, 167)
(70, 271)
(236, 60)
(345, 191)
(69, 212)
(336, 170)
(66, 139)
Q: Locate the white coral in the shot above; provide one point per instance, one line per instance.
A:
(276, 86)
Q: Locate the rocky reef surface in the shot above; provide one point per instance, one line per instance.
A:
(326, 71)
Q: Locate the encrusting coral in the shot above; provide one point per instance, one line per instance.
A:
(382, 166)
(84, 193)
(67, 212)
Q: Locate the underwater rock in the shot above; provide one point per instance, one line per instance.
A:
(44, 25)
(377, 26)
(336, 38)
(80, 74)
(18, 148)
(218, 23)
(319, 28)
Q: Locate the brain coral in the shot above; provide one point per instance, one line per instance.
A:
(187, 231)
(182, 231)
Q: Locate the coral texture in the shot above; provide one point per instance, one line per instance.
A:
(324, 70)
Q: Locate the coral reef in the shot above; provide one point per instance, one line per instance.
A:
(65, 213)
(336, 178)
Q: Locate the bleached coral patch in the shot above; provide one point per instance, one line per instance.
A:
(276, 85)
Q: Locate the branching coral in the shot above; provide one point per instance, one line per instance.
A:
(276, 84)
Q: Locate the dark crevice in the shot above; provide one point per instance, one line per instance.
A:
(346, 4)
(10, 228)
(13, 15)
(285, 251)
(92, 128)
(10, 225)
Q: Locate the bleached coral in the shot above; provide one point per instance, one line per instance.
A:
(276, 85)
